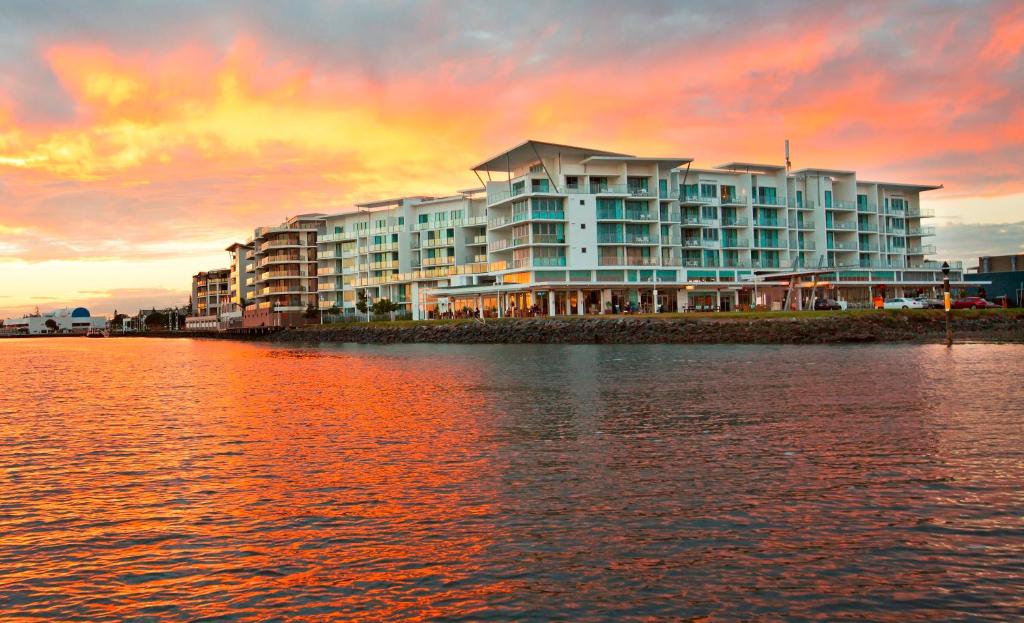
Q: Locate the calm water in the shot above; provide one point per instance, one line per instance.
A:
(175, 480)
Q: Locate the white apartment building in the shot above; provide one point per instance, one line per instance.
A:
(571, 230)
(285, 259)
(242, 281)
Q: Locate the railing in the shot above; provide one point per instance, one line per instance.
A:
(692, 243)
(548, 239)
(733, 200)
(671, 261)
(482, 239)
(739, 221)
(926, 249)
(609, 215)
(610, 238)
(697, 198)
(807, 245)
(769, 201)
(770, 222)
(735, 244)
(805, 224)
(841, 226)
(377, 248)
(921, 231)
(769, 244)
(868, 246)
(692, 220)
(920, 213)
(843, 246)
(549, 261)
(628, 261)
(641, 238)
(437, 242)
(867, 208)
(869, 227)
(840, 204)
(632, 215)
(383, 265)
(670, 216)
(438, 261)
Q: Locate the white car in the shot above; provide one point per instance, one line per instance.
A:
(903, 304)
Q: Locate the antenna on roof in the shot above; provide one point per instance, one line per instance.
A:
(788, 164)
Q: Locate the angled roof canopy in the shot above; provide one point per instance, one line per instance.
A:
(751, 167)
(530, 151)
(905, 186)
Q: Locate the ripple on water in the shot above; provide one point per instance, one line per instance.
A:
(216, 481)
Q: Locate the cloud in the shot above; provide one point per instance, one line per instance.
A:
(969, 241)
(134, 131)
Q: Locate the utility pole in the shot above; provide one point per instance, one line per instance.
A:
(947, 304)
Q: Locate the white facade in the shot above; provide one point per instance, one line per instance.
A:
(68, 320)
(211, 292)
(285, 259)
(572, 230)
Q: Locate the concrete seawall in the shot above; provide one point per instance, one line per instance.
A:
(810, 329)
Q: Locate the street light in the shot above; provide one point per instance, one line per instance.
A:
(947, 304)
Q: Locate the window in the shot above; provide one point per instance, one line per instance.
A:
(663, 189)
(401, 220)
(539, 186)
(799, 198)
(710, 234)
(518, 187)
(709, 212)
(583, 225)
(581, 202)
(422, 218)
(708, 191)
(584, 250)
(828, 198)
(572, 182)
(456, 215)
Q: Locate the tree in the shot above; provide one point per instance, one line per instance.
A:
(156, 320)
(242, 303)
(311, 312)
(361, 301)
(383, 307)
(51, 324)
(334, 311)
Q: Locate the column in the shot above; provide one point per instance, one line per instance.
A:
(417, 304)
(718, 300)
(581, 304)
(551, 302)
(682, 300)
(606, 300)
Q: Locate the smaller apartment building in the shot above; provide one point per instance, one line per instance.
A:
(211, 292)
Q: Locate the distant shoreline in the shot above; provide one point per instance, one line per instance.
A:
(925, 326)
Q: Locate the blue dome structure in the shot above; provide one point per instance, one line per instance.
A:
(80, 312)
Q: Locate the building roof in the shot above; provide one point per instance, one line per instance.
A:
(813, 171)
(238, 245)
(905, 186)
(390, 203)
(751, 167)
(663, 163)
(530, 151)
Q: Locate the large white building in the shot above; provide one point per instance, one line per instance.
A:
(557, 229)
(67, 320)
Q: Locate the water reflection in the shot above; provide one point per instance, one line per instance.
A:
(177, 480)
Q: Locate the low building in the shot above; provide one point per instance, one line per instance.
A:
(70, 320)
(1006, 276)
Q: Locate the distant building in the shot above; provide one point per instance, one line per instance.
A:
(211, 294)
(70, 320)
(242, 280)
(1006, 272)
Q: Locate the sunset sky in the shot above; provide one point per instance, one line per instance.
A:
(138, 141)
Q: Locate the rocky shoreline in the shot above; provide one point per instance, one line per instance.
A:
(833, 328)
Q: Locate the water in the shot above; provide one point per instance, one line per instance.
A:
(177, 480)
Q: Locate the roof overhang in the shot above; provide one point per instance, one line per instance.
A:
(918, 187)
(392, 203)
(829, 172)
(528, 152)
(663, 164)
(751, 167)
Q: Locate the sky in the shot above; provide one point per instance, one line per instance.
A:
(138, 140)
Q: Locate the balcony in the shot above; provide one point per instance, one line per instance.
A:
(921, 231)
(920, 213)
(867, 208)
(610, 238)
(868, 246)
(779, 223)
(476, 240)
(807, 204)
(548, 239)
(693, 221)
(770, 201)
(627, 261)
(926, 249)
(633, 238)
(867, 227)
(843, 246)
(339, 237)
(634, 215)
(734, 201)
(770, 244)
(804, 224)
(841, 226)
(379, 248)
(430, 243)
(384, 265)
(670, 216)
(738, 221)
(443, 260)
(703, 200)
(549, 261)
(807, 245)
(735, 243)
(840, 205)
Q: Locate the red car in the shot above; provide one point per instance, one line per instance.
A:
(973, 302)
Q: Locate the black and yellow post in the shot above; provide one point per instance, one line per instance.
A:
(948, 304)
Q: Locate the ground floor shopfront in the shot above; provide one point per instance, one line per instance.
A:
(501, 301)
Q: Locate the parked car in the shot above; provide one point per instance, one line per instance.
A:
(826, 304)
(931, 303)
(902, 303)
(973, 302)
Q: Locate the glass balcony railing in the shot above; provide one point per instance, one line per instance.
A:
(549, 261)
